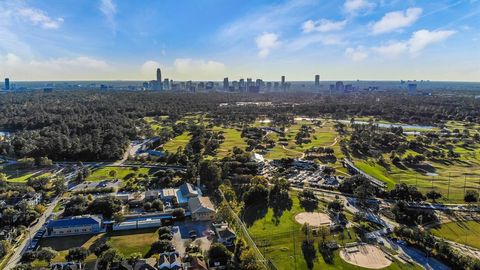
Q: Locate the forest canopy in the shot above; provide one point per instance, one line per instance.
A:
(98, 125)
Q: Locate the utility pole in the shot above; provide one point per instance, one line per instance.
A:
(448, 191)
(294, 249)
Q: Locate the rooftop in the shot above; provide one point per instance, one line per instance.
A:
(74, 221)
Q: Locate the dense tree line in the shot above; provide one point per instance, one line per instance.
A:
(94, 125)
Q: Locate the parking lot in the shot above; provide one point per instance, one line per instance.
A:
(197, 232)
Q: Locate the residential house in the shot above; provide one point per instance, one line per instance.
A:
(74, 226)
(151, 195)
(224, 234)
(195, 263)
(185, 192)
(201, 208)
(168, 194)
(169, 261)
(141, 264)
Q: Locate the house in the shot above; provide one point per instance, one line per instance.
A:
(151, 195)
(74, 226)
(169, 261)
(201, 208)
(225, 235)
(168, 194)
(189, 191)
(34, 199)
(185, 192)
(141, 264)
(195, 263)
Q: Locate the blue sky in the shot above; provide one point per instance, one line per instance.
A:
(210, 39)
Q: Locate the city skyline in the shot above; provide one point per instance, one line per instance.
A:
(339, 40)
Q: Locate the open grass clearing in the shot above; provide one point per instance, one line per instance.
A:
(127, 242)
(466, 232)
(181, 140)
(103, 173)
(279, 237)
(233, 138)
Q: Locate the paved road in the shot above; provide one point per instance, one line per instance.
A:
(20, 249)
(15, 259)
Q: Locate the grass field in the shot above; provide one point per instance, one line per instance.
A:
(232, 139)
(22, 176)
(103, 173)
(63, 244)
(280, 240)
(467, 233)
(462, 176)
(127, 242)
(181, 140)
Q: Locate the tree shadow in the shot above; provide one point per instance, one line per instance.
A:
(280, 204)
(254, 213)
(310, 205)
(309, 253)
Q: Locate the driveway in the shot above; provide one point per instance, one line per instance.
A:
(181, 234)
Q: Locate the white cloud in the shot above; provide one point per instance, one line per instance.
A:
(266, 42)
(82, 67)
(39, 17)
(352, 7)
(269, 18)
(149, 68)
(392, 49)
(109, 9)
(191, 66)
(307, 40)
(396, 20)
(417, 42)
(323, 25)
(357, 54)
(422, 38)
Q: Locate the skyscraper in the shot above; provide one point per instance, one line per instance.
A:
(7, 84)
(225, 84)
(159, 80)
(282, 84)
(159, 75)
(317, 80)
(339, 86)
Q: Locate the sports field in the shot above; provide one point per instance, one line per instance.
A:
(279, 238)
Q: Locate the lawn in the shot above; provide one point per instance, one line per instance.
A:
(103, 173)
(451, 180)
(181, 140)
(63, 244)
(233, 138)
(127, 242)
(467, 233)
(280, 239)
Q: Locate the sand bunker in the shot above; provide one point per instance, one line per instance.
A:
(313, 219)
(367, 256)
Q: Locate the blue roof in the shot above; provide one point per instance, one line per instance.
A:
(188, 189)
(73, 222)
